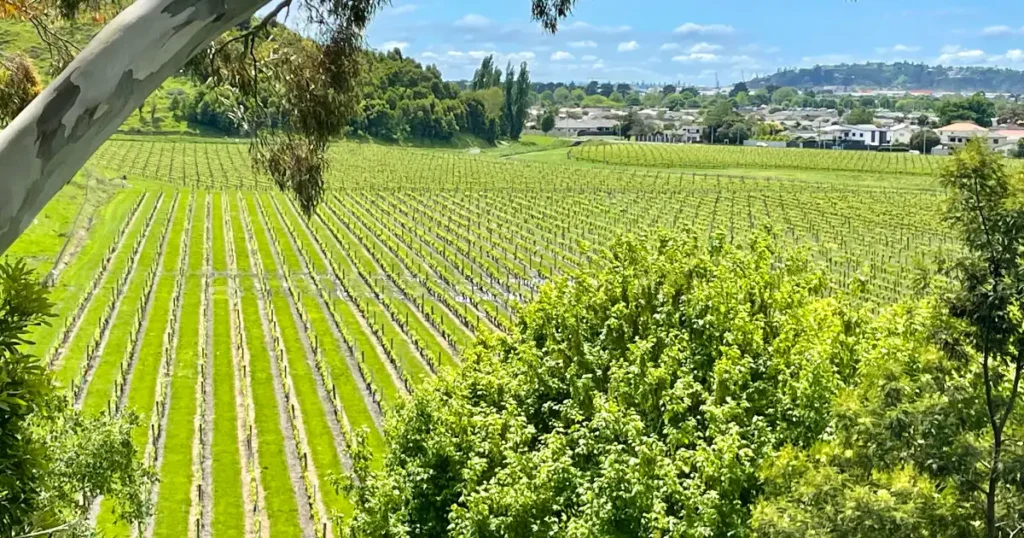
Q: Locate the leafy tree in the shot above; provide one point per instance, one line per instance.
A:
(488, 75)
(547, 122)
(577, 97)
(668, 89)
(623, 88)
(547, 97)
(674, 101)
(634, 125)
(860, 116)
(782, 96)
(651, 99)
(634, 98)
(562, 96)
(924, 140)
(742, 99)
(520, 103)
(975, 108)
(1020, 148)
(19, 84)
(1011, 113)
(592, 88)
(927, 438)
(508, 114)
(55, 461)
(922, 120)
(739, 87)
(616, 97)
(606, 90)
(634, 400)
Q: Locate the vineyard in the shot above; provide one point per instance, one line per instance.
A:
(699, 156)
(259, 345)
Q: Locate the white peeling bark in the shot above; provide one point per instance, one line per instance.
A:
(43, 148)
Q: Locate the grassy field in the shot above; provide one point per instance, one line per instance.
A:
(263, 340)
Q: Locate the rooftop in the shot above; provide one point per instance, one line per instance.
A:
(963, 126)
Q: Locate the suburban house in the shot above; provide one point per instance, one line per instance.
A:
(584, 127)
(958, 134)
(902, 133)
(868, 135)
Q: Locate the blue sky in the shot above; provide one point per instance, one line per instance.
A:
(691, 40)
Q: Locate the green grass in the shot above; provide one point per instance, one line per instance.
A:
(72, 283)
(142, 392)
(172, 507)
(228, 504)
(132, 300)
(70, 364)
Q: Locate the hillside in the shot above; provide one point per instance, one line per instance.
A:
(900, 75)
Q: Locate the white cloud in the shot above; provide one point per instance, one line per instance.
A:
(401, 10)
(953, 54)
(1011, 56)
(581, 26)
(390, 45)
(479, 54)
(473, 21)
(897, 49)
(1001, 29)
(429, 55)
(455, 54)
(627, 46)
(561, 55)
(701, 57)
(583, 44)
(827, 59)
(705, 47)
(589, 58)
(524, 56)
(704, 29)
(669, 46)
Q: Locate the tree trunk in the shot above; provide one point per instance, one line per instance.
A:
(43, 148)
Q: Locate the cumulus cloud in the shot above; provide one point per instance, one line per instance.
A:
(670, 46)
(702, 57)
(429, 55)
(897, 49)
(705, 47)
(1011, 56)
(954, 54)
(585, 26)
(391, 45)
(589, 58)
(561, 56)
(1001, 29)
(692, 28)
(627, 46)
(473, 21)
(583, 44)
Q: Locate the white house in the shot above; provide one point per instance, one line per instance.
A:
(958, 134)
(870, 135)
(901, 134)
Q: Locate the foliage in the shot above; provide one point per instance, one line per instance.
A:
(488, 75)
(547, 122)
(1020, 148)
(975, 108)
(905, 75)
(924, 140)
(54, 460)
(860, 116)
(926, 440)
(638, 399)
(19, 84)
(520, 102)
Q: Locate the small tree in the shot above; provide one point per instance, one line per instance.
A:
(19, 84)
(860, 116)
(547, 122)
(988, 300)
(1020, 148)
(924, 140)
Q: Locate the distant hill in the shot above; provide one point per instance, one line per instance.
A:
(900, 75)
